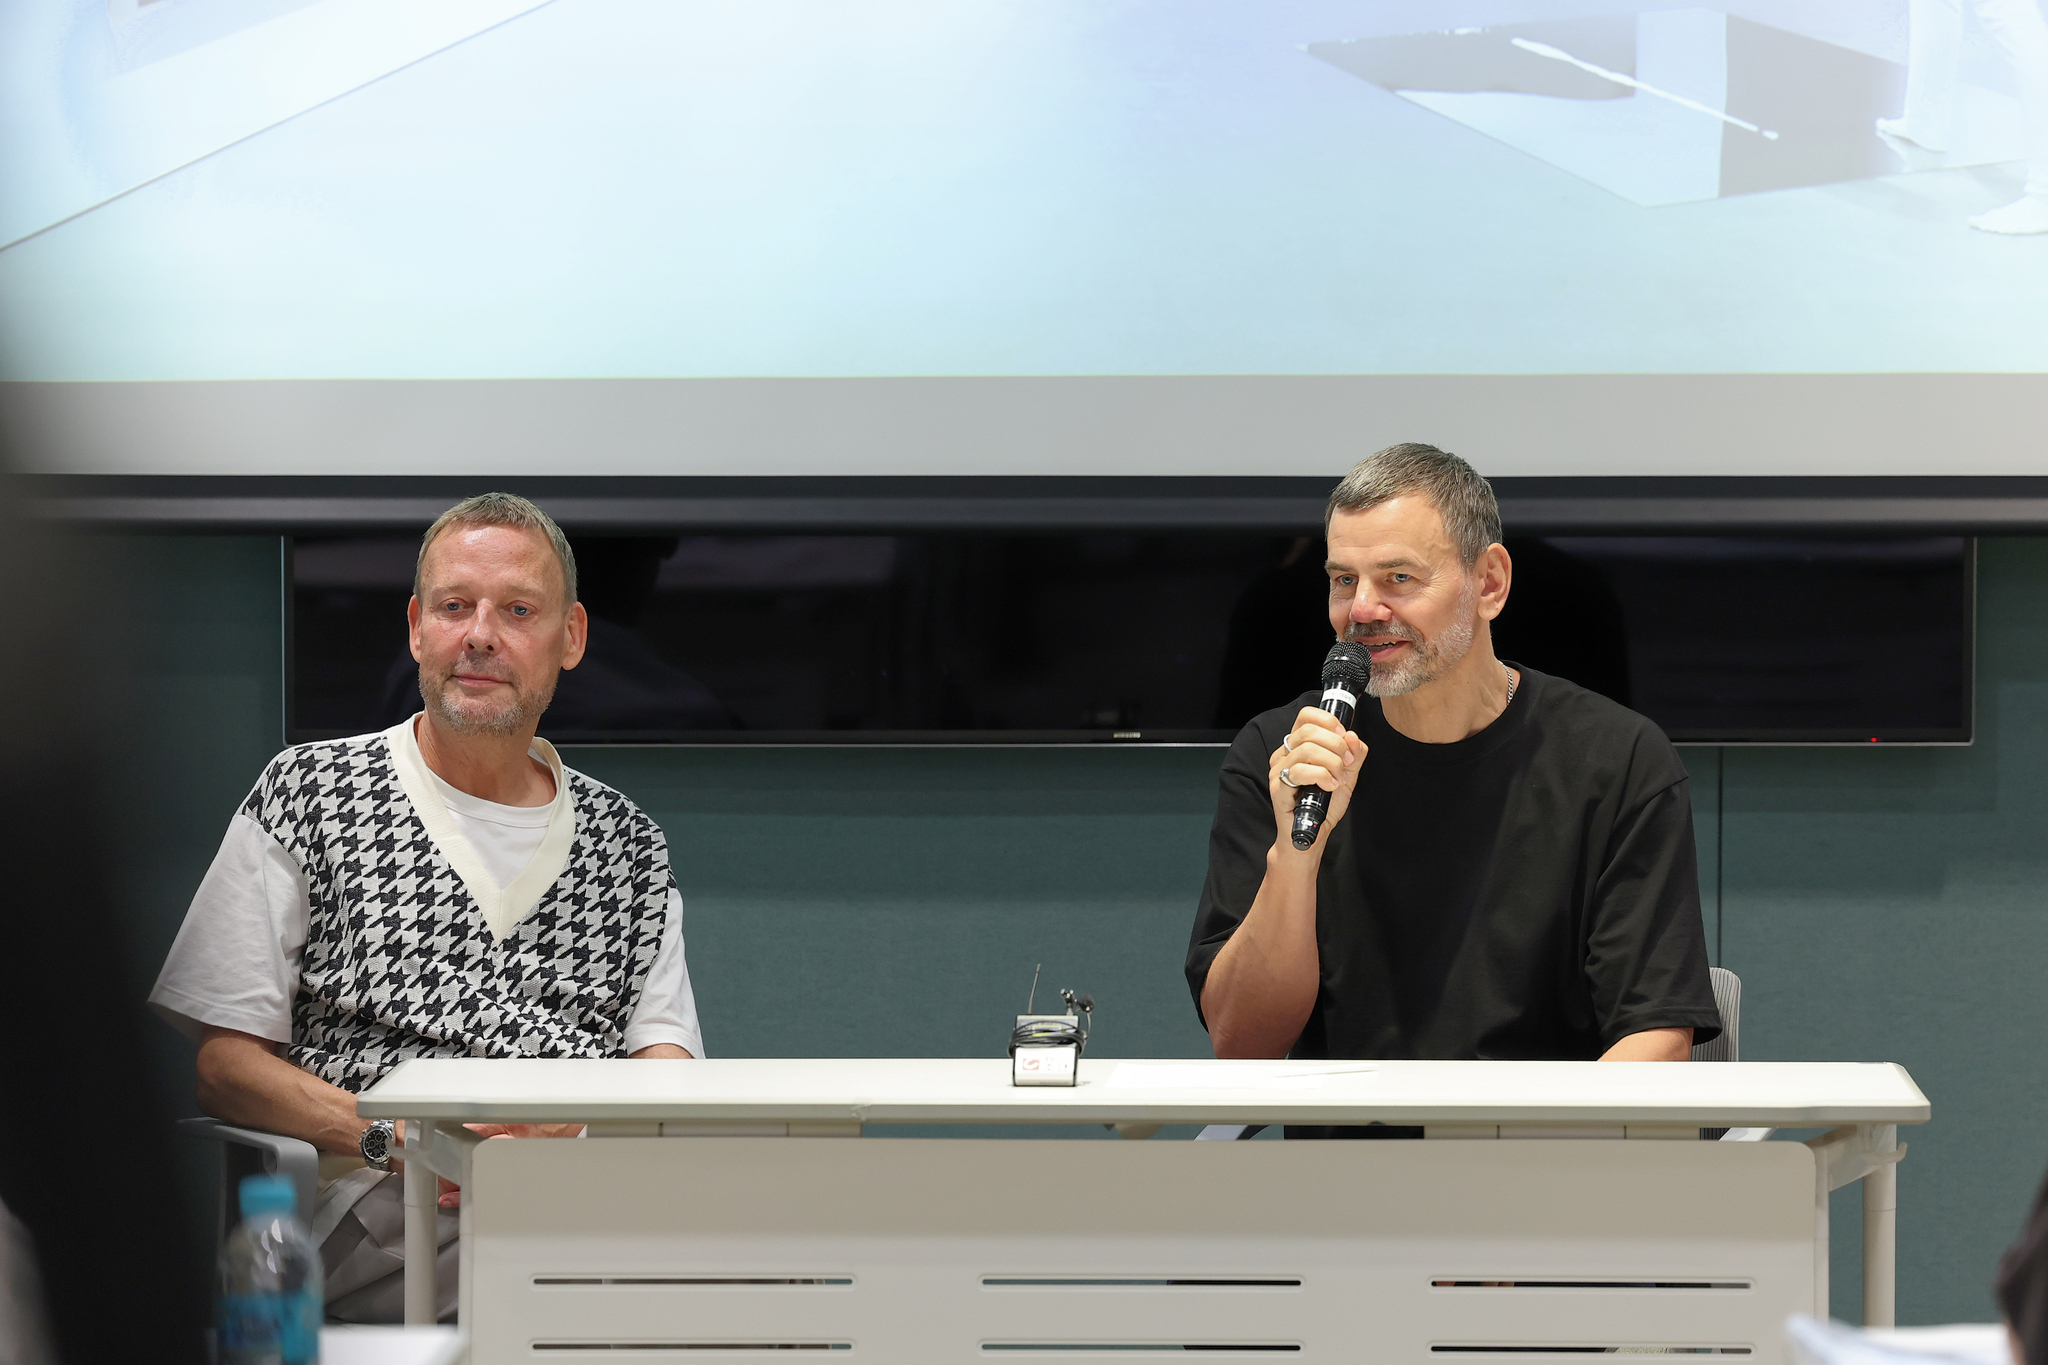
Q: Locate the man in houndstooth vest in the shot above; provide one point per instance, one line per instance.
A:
(444, 888)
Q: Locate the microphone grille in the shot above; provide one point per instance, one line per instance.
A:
(1348, 664)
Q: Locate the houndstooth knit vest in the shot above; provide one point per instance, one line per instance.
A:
(399, 962)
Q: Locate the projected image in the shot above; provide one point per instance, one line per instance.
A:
(1939, 104)
(532, 189)
(1677, 106)
(101, 98)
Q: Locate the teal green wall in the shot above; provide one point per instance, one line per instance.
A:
(843, 902)
(1889, 906)
(1879, 904)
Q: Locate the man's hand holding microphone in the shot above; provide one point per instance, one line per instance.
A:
(1321, 742)
(1317, 753)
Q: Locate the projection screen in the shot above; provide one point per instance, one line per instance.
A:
(1566, 238)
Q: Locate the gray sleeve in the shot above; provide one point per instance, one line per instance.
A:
(235, 963)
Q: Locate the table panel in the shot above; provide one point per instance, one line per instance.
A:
(728, 1248)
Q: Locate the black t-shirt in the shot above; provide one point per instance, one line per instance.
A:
(1530, 892)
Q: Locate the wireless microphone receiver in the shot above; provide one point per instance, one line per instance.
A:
(1346, 669)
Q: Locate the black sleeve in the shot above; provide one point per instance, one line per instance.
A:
(2023, 1285)
(1646, 950)
(1239, 840)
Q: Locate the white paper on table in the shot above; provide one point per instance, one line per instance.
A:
(1279, 1076)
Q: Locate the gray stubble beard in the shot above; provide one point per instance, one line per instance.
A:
(1432, 658)
(522, 711)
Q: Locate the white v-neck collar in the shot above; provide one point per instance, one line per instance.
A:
(502, 906)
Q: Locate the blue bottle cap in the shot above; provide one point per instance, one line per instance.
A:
(268, 1194)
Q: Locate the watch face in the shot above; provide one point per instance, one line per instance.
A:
(376, 1143)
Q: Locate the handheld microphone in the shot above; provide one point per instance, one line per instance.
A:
(1346, 669)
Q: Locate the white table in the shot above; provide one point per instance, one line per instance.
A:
(706, 1218)
(390, 1346)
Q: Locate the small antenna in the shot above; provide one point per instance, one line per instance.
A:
(1034, 987)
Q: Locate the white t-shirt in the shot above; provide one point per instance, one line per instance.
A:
(235, 963)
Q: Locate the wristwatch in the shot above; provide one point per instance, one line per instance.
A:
(376, 1144)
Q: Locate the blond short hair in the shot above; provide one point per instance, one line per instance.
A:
(500, 509)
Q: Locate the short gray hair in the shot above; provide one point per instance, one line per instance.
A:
(1463, 499)
(500, 509)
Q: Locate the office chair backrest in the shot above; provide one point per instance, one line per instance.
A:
(244, 1151)
(1728, 1000)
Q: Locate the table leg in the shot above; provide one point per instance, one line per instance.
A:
(421, 1310)
(1868, 1152)
(1880, 1245)
(1822, 1186)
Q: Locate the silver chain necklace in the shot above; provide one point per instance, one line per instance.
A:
(1512, 680)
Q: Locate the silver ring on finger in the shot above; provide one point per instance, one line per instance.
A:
(1284, 779)
(1287, 742)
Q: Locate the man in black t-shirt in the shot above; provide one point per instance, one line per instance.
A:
(1507, 868)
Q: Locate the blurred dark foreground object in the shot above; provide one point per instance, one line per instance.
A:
(85, 1148)
(2023, 1285)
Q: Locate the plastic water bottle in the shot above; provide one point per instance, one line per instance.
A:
(271, 1300)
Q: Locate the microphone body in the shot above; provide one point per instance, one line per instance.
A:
(1346, 670)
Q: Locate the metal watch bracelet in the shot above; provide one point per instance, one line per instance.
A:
(376, 1144)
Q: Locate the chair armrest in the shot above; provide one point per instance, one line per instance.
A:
(286, 1156)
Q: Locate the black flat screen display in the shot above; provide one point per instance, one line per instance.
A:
(1156, 636)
